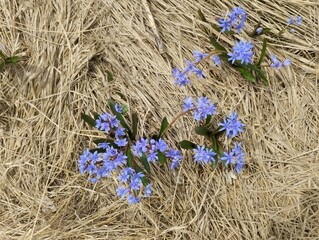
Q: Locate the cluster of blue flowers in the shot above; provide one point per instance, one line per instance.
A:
(182, 77)
(295, 20)
(242, 51)
(232, 125)
(112, 158)
(203, 108)
(236, 19)
(151, 149)
(275, 63)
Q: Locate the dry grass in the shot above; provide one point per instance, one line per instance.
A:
(69, 48)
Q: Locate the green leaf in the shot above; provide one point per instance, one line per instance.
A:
(216, 44)
(161, 157)
(259, 72)
(164, 126)
(124, 108)
(109, 76)
(263, 52)
(119, 117)
(96, 115)
(99, 150)
(14, 59)
(187, 144)
(88, 119)
(208, 119)
(203, 131)
(129, 157)
(134, 125)
(246, 74)
(145, 163)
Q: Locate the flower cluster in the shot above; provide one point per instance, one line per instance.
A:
(131, 186)
(182, 77)
(295, 20)
(232, 125)
(235, 157)
(203, 155)
(275, 63)
(201, 109)
(235, 19)
(151, 149)
(110, 124)
(111, 158)
(242, 51)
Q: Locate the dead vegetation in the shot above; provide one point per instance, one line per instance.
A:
(70, 45)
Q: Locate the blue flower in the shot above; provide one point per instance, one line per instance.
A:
(216, 60)
(140, 147)
(131, 199)
(259, 30)
(103, 145)
(119, 132)
(203, 155)
(235, 18)
(125, 174)
(286, 62)
(188, 104)
(120, 160)
(204, 107)
(275, 62)
(199, 56)
(152, 156)
(148, 190)
(229, 158)
(242, 51)
(299, 20)
(121, 142)
(118, 108)
(161, 145)
(180, 78)
(122, 191)
(176, 157)
(291, 20)
(231, 125)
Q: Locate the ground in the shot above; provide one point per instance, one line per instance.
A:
(68, 47)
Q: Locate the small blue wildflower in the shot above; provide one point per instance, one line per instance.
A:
(84, 160)
(152, 156)
(122, 191)
(120, 160)
(114, 122)
(224, 24)
(118, 108)
(275, 62)
(140, 147)
(103, 145)
(119, 132)
(132, 199)
(125, 174)
(161, 145)
(236, 18)
(229, 158)
(204, 107)
(176, 157)
(148, 190)
(231, 125)
(188, 104)
(298, 21)
(203, 155)
(180, 78)
(216, 60)
(121, 142)
(242, 51)
(291, 20)
(286, 62)
(136, 181)
(199, 56)
(259, 30)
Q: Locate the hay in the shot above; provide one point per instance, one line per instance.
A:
(70, 45)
